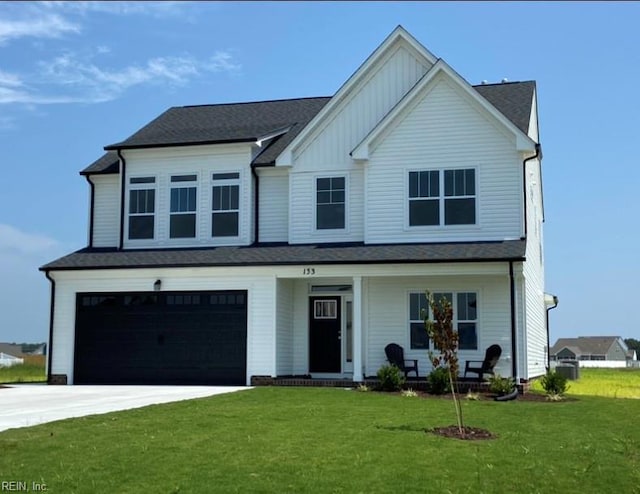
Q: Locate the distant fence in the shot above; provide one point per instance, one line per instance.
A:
(8, 361)
(604, 363)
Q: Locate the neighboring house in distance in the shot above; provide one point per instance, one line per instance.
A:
(297, 237)
(592, 348)
(10, 355)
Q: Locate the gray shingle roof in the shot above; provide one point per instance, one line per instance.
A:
(266, 255)
(245, 122)
(512, 99)
(585, 345)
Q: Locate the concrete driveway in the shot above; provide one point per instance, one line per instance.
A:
(31, 404)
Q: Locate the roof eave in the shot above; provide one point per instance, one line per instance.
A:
(122, 146)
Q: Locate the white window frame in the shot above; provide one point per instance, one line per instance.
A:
(142, 186)
(329, 231)
(441, 198)
(456, 320)
(217, 182)
(183, 185)
(325, 309)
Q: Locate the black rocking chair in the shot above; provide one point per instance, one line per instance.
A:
(487, 366)
(395, 356)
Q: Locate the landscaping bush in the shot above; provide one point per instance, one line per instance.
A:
(391, 378)
(501, 385)
(554, 383)
(438, 381)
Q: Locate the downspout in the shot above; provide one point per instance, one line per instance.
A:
(514, 348)
(51, 315)
(256, 206)
(555, 304)
(123, 168)
(91, 206)
(524, 183)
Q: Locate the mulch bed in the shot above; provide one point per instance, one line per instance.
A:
(470, 433)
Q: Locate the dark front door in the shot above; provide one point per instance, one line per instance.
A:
(324, 334)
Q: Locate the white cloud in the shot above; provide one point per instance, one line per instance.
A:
(15, 240)
(74, 78)
(37, 25)
(158, 9)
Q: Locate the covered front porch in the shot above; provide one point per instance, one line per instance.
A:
(332, 330)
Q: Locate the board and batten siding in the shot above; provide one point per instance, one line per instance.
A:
(388, 317)
(284, 327)
(302, 211)
(106, 210)
(445, 129)
(200, 160)
(361, 110)
(274, 205)
(261, 315)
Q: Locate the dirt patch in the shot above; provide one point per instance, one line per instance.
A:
(469, 433)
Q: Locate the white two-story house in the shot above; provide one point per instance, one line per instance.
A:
(297, 237)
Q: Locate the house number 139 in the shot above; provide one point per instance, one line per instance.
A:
(309, 271)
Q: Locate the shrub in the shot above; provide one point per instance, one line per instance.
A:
(554, 383)
(438, 381)
(391, 378)
(409, 393)
(363, 388)
(501, 385)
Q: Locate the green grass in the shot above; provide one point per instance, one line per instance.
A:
(332, 440)
(612, 383)
(31, 371)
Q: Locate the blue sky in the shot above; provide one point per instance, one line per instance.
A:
(76, 76)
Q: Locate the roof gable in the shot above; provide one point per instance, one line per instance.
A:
(399, 37)
(418, 92)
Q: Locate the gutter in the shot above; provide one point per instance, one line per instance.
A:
(256, 206)
(123, 168)
(555, 304)
(51, 316)
(524, 183)
(91, 207)
(512, 299)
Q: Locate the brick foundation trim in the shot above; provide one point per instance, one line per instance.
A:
(57, 379)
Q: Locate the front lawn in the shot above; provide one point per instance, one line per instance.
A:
(332, 440)
(612, 383)
(32, 370)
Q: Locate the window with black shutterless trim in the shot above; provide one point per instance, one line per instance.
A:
(142, 206)
(330, 203)
(465, 318)
(442, 197)
(225, 207)
(183, 206)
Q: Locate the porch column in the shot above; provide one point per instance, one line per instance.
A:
(357, 328)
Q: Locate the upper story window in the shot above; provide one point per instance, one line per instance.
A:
(225, 204)
(465, 318)
(142, 207)
(183, 206)
(330, 203)
(442, 197)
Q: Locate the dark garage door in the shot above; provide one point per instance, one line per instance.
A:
(161, 338)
